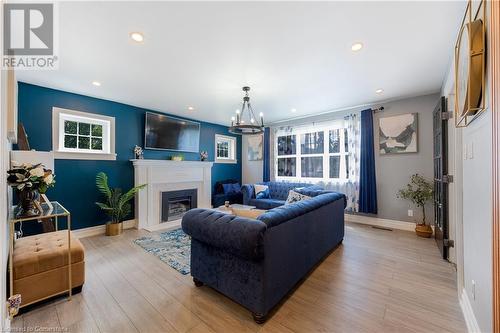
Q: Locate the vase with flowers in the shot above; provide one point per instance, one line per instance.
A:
(29, 181)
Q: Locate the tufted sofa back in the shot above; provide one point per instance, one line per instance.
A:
(279, 190)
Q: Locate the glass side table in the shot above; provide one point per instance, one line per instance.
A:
(56, 211)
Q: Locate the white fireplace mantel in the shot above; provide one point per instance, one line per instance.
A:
(165, 175)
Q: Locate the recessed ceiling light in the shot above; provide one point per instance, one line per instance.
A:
(293, 110)
(356, 47)
(137, 36)
(190, 108)
(96, 83)
(379, 91)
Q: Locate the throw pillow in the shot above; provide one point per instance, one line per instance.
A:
(236, 187)
(231, 188)
(295, 197)
(228, 188)
(261, 191)
(263, 194)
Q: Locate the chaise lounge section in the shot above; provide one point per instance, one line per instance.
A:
(256, 262)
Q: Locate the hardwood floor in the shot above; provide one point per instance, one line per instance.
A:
(377, 281)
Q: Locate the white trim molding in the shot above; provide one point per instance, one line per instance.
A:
(378, 222)
(470, 318)
(232, 147)
(100, 229)
(108, 138)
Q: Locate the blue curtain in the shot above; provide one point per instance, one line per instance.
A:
(367, 178)
(266, 172)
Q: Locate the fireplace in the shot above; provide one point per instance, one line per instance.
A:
(174, 204)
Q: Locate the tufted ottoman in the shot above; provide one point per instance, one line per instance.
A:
(40, 266)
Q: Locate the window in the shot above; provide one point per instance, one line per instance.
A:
(287, 163)
(339, 153)
(81, 135)
(314, 154)
(312, 148)
(225, 149)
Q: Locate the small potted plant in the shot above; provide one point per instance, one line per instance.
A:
(30, 181)
(419, 191)
(117, 205)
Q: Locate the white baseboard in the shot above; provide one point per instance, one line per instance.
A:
(100, 229)
(470, 318)
(378, 222)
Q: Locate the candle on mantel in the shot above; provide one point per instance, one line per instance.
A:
(232, 121)
(261, 119)
(237, 117)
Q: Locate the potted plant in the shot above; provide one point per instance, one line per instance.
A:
(117, 205)
(29, 181)
(419, 191)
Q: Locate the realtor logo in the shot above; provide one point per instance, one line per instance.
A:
(29, 36)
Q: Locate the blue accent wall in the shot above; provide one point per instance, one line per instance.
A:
(75, 186)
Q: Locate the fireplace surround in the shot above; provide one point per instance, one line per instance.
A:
(169, 176)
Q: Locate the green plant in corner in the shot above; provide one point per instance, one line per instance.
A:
(117, 205)
(419, 191)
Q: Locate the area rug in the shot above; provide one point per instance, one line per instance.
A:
(172, 247)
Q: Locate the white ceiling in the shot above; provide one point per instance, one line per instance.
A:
(292, 54)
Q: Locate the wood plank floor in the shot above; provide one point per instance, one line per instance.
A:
(377, 281)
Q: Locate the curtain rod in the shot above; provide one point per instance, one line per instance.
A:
(314, 123)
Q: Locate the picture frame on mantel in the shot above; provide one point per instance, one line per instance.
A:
(398, 134)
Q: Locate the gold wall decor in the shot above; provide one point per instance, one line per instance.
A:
(470, 66)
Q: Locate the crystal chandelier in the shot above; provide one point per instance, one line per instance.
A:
(245, 121)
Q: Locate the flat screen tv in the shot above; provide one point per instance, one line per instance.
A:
(170, 133)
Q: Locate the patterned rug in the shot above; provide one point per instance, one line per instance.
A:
(172, 247)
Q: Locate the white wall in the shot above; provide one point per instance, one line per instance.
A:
(471, 208)
(4, 240)
(251, 170)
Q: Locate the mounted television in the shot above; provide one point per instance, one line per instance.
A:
(170, 133)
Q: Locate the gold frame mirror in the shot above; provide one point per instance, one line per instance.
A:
(470, 61)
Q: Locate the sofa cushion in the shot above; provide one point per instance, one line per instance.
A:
(295, 197)
(282, 214)
(266, 203)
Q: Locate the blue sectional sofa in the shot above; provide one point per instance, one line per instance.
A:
(278, 194)
(257, 262)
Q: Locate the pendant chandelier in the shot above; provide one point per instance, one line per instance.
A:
(245, 121)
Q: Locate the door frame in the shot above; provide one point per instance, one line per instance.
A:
(494, 60)
(441, 194)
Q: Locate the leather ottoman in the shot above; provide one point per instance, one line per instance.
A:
(40, 266)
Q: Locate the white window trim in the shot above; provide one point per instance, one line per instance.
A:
(58, 136)
(298, 131)
(232, 152)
